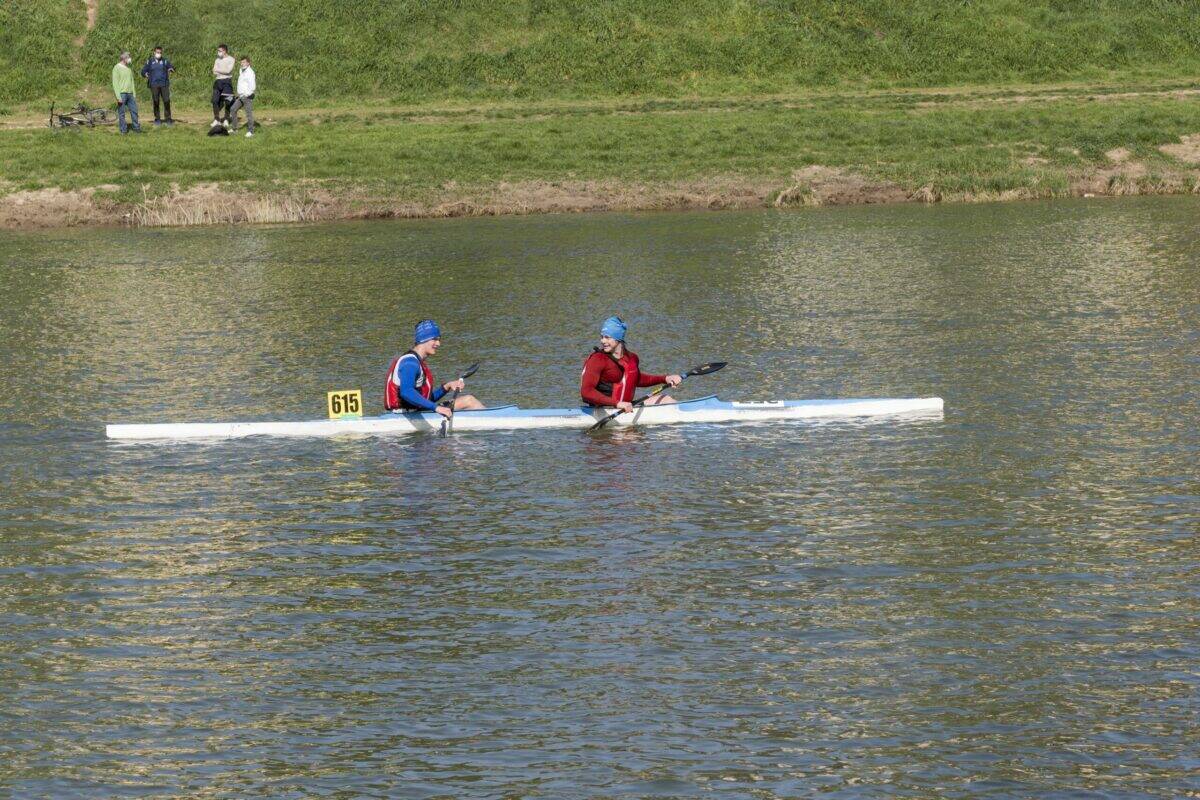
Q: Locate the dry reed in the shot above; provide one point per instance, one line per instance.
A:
(180, 209)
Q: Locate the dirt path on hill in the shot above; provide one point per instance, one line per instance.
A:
(93, 10)
(440, 113)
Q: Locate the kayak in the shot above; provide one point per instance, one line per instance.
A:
(704, 409)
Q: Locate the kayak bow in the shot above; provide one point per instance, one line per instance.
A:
(704, 409)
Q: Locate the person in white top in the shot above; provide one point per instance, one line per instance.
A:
(246, 86)
(222, 93)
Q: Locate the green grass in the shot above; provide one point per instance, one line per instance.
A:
(310, 52)
(957, 147)
(38, 56)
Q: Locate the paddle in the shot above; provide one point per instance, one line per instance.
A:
(446, 420)
(703, 369)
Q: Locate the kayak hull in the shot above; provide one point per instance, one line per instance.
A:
(704, 409)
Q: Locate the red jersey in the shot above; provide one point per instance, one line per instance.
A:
(607, 381)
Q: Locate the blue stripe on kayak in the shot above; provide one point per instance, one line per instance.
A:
(699, 404)
(709, 403)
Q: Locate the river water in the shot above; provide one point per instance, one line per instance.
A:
(1001, 601)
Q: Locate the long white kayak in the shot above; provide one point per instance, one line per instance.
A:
(704, 409)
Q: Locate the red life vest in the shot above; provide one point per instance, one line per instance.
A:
(392, 401)
(606, 380)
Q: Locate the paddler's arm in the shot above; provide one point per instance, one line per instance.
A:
(408, 386)
(457, 383)
(655, 380)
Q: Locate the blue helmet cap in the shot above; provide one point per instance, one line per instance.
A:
(427, 329)
(614, 328)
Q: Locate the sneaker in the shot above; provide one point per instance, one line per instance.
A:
(215, 123)
(226, 123)
(249, 134)
(170, 122)
(157, 122)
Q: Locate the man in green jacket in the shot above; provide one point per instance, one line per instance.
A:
(122, 77)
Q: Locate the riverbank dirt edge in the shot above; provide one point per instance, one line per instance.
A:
(225, 204)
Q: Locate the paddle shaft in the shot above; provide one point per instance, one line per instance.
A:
(703, 369)
(446, 419)
(635, 403)
(453, 398)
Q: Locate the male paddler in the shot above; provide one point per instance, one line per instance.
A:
(410, 384)
(611, 373)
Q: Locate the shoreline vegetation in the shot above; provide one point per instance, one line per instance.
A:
(480, 107)
(484, 159)
(485, 107)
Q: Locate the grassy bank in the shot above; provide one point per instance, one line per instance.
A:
(521, 158)
(319, 52)
(442, 107)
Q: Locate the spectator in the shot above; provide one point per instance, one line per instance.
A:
(222, 94)
(122, 82)
(245, 96)
(157, 73)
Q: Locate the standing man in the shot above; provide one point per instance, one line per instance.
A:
(612, 373)
(122, 83)
(157, 72)
(245, 96)
(222, 93)
(410, 383)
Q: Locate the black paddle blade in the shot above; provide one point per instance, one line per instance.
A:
(602, 423)
(471, 371)
(706, 369)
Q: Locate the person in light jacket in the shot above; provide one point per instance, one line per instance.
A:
(246, 86)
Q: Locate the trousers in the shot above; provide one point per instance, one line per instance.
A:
(161, 93)
(246, 102)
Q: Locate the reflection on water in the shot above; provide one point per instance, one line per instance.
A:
(1001, 602)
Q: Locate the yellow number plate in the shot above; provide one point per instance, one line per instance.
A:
(345, 404)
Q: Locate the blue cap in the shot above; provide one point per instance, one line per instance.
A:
(427, 329)
(614, 328)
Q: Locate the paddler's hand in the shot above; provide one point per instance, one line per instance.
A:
(625, 406)
(459, 384)
(444, 410)
(674, 380)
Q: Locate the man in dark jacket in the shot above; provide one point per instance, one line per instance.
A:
(157, 73)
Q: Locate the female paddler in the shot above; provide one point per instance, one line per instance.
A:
(410, 384)
(611, 373)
